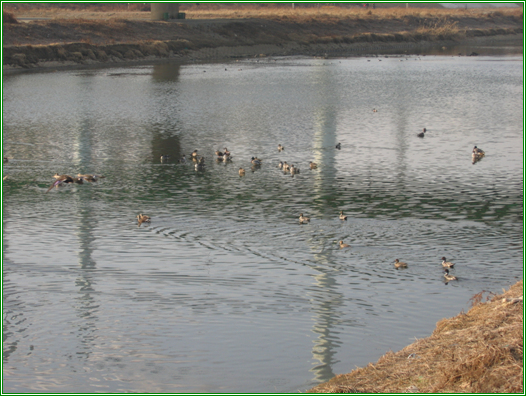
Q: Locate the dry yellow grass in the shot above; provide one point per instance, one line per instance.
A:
(480, 351)
(327, 13)
(323, 14)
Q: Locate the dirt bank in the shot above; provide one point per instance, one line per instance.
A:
(480, 351)
(59, 43)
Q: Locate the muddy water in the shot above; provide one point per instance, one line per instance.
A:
(224, 291)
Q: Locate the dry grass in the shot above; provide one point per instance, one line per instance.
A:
(332, 13)
(272, 11)
(480, 351)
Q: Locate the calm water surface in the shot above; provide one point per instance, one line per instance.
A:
(224, 291)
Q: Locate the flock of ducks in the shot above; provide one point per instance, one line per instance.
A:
(445, 264)
(225, 156)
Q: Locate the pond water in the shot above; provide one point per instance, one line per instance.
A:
(224, 291)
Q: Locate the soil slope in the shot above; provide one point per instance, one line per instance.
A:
(66, 42)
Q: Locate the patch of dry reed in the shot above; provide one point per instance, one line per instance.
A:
(480, 351)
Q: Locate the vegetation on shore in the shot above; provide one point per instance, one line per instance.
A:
(480, 351)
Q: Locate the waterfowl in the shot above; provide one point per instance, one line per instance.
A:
(183, 159)
(342, 217)
(90, 178)
(449, 277)
(142, 219)
(256, 161)
(226, 152)
(313, 165)
(478, 151)
(375, 111)
(293, 170)
(280, 165)
(399, 264)
(219, 153)
(343, 245)
(194, 155)
(280, 147)
(164, 157)
(447, 264)
(339, 146)
(421, 134)
(200, 164)
(61, 179)
(241, 172)
(286, 167)
(303, 219)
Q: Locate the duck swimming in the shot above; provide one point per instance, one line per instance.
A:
(280, 147)
(142, 219)
(256, 161)
(280, 165)
(164, 157)
(421, 134)
(241, 172)
(313, 165)
(478, 151)
(303, 219)
(342, 217)
(343, 245)
(60, 179)
(399, 264)
(339, 146)
(90, 178)
(449, 277)
(200, 164)
(447, 264)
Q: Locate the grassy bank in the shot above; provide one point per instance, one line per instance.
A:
(480, 351)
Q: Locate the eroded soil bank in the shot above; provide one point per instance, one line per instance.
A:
(72, 43)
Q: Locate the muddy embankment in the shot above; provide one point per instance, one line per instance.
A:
(60, 44)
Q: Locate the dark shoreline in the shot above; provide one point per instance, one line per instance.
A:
(74, 56)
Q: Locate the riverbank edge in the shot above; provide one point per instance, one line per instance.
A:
(480, 351)
(71, 56)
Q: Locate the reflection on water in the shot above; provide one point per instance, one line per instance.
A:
(225, 291)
